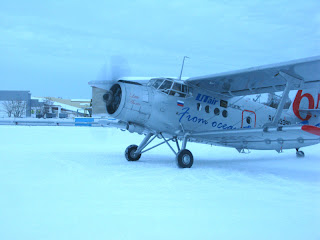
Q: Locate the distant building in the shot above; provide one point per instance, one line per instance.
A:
(18, 101)
(21, 104)
(65, 108)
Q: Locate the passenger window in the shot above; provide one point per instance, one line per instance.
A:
(216, 111)
(198, 106)
(225, 113)
(248, 120)
(207, 109)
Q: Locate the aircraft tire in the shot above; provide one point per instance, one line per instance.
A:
(129, 153)
(300, 154)
(184, 159)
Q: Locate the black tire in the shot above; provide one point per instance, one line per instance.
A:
(300, 154)
(129, 153)
(184, 159)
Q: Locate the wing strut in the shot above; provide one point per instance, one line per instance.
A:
(291, 80)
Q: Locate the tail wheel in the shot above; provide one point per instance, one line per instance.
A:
(130, 153)
(300, 154)
(184, 159)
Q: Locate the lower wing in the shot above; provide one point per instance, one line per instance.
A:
(262, 138)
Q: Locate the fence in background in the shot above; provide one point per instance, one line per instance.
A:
(82, 122)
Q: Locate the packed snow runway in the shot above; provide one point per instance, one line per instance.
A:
(74, 183)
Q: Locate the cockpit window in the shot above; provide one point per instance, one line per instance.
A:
(176, 90)
(184, 88)
(157, 83)
(151, 82)
(177, 94)
(171, 87)
(166, 85)
(177, 86)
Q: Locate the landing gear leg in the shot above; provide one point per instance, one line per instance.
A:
(184, 157)
(300, 154)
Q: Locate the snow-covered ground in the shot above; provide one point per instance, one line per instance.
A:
(74, 183)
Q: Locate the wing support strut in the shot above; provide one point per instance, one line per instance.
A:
(291, 80)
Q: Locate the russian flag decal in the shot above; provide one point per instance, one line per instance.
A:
(180, 103)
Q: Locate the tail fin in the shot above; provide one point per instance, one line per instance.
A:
(305, 104)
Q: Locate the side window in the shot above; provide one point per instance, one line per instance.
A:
(223, 103)
(216, 111)
(190, 91)
(248, 120)
(177, 86)
(225, 113)
(198, 106)
(184, 88)
(207, 109)
(176, 90)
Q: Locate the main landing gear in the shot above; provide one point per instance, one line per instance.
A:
(130, 153)
(184, 157)
(300, 154)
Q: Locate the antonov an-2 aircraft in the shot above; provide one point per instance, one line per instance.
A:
(212, 109)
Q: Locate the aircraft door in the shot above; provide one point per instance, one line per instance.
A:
(248, 119)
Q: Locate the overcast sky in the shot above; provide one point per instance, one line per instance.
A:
(54, 48)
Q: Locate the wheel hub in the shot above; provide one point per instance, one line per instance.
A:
(133, 154)
(186, 159)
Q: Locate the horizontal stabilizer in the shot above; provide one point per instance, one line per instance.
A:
(311, 129)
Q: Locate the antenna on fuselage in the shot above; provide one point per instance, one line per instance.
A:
(182, 66)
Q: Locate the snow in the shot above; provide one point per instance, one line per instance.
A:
(74, 183)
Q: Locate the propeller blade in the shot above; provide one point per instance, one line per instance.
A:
(114, 69)
(119, 68)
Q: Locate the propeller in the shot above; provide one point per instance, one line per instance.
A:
(115, 68)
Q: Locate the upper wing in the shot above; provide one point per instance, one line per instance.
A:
(263, 79)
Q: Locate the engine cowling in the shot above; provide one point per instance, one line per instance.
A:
(113, 98)
(128, 102)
